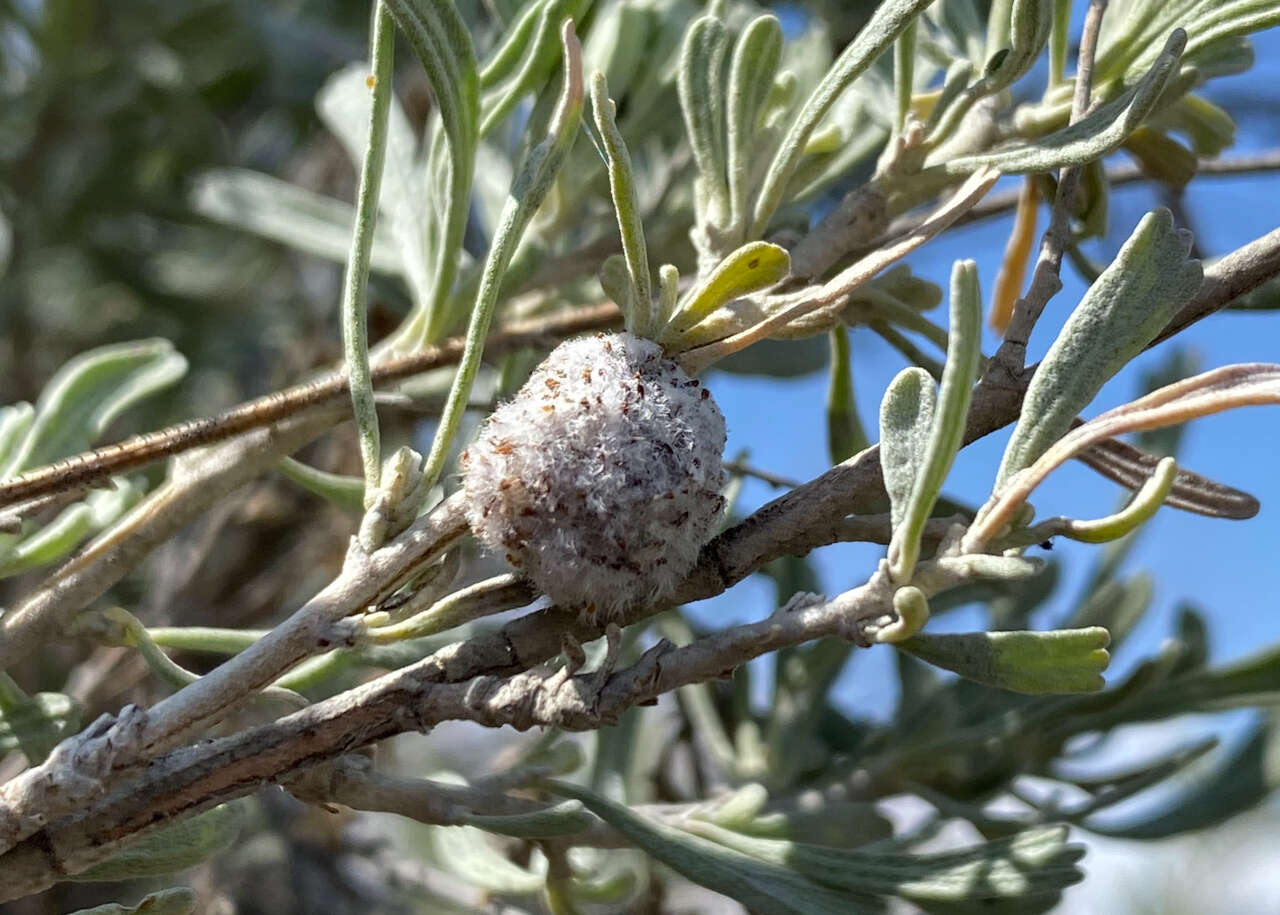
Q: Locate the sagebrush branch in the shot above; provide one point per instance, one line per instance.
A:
(76, 771)
(418, 697)
(140, 450)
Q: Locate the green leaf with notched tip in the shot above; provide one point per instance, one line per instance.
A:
(1059, 661)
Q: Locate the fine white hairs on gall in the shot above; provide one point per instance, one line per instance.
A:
(601, 479)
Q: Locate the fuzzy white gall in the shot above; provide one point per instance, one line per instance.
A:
(601, 479)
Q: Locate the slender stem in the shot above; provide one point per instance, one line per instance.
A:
(913, 353)
(904, 54)
(1045, 281)
(141, 450)
(845, 435)
(355, 333)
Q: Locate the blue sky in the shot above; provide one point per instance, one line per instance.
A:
(1227, 568)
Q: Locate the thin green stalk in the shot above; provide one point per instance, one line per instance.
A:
(1058, 42)
(885, 307)
(205, 638)
(347, 493)
(904, 57)
(903, 345)
(845, 435)
(355, 333)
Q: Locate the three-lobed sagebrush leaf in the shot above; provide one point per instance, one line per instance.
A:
(1059, 661)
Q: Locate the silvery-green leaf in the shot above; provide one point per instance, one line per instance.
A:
(841, 824)
(172, 848)
(1247, 777)
(946, 431)
(1150, 279)
(15, 422)
(178, 900)
(286, 213)
(751, 74)
(1252, 681)
(87, 394)
(528, 190)
(637, 305)
(1092, 136)
(442, 42)
(1210, 128)
(886, 24)
(1161, 156)
(54, 540)
(465, 851)
(343, 104)
(702, 101)
(618, 886)
(510, 48)
(959, 22)
(906, 418)
(778, 358)
(71, 526)
(618, 44)
(556, 820)
(912, 291)
(845, 436)
(537, 58)
(760, 885)
(1216, 33)
(1060, 661)
(1031, 863)
(35, 724)
(1116, 605)
(1028, 31)
(1114, 787)
(345, 492)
